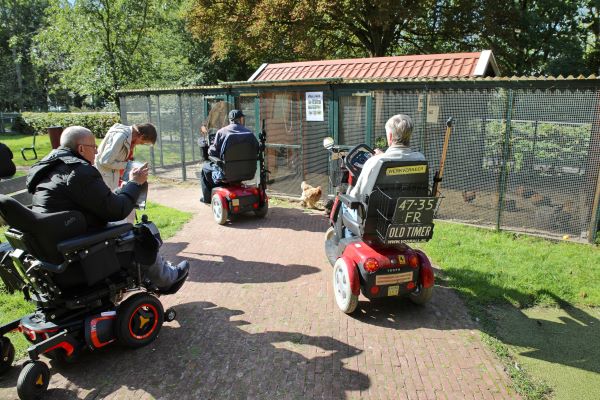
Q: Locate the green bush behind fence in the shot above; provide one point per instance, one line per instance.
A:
(98, 123)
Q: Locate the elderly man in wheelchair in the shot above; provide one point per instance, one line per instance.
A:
(387, 205)
(92, 284)
(232, 159)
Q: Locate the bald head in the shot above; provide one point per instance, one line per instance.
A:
(74, 136)
(81, 141)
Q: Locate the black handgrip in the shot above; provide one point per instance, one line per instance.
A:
(55, 268)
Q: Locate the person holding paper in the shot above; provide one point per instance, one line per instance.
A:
(117, 148)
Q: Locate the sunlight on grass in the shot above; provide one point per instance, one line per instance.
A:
(489, 267)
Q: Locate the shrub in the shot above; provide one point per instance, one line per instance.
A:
(98, 123)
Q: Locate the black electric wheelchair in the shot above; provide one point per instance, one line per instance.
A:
(88, 288)
(367, 243)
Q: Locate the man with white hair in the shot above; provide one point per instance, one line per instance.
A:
(398, 130)
(66, 180)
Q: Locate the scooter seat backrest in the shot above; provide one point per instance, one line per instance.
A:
(42, 232)
(239, 162)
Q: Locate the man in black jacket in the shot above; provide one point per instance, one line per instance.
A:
(66, 180)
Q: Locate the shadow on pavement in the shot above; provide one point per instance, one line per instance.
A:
(222, 268)
(284, 218)
(214, 355)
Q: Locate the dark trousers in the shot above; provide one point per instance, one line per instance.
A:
(206, 180)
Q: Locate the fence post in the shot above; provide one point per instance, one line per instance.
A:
(1, 123)
(504, 161)
(160, 143)
(181, 137)
(595, 226)
(151, 147)
(123, 109)
(369, 119)
(422, 139)
(192, 128)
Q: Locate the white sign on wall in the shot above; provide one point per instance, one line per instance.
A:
(314, 106)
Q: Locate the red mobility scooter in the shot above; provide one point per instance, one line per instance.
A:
(232, 196)
(367, 243)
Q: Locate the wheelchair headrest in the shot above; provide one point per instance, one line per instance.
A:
(43, 231)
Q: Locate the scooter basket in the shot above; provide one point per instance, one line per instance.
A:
(386, 205)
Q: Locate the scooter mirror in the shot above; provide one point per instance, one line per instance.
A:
(328, 142)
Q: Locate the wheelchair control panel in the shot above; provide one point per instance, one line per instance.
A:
(357, 157)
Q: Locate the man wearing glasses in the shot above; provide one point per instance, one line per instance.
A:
(65, 180)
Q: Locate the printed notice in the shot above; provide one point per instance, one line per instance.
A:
(314, 106)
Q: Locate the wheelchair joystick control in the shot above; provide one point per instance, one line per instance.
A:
(144, 219)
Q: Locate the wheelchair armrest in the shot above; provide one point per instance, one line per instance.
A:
(83, 241)
(350, 201)
(54, 268)
(216, 160)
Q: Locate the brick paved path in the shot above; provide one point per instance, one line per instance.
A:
(257, 320)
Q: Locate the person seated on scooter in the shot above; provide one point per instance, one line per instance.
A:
(233, 133)
(66, 180)
(398, 130)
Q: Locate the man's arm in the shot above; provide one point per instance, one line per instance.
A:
(111, 151)
(215, 148)
(87, 189)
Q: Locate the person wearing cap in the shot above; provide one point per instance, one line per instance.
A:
(231, 134)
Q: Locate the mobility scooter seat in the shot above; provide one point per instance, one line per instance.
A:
(52, 238)
(239, 162)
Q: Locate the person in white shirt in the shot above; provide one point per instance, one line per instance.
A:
(117, 148)
(398, 131)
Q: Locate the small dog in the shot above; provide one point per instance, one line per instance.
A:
(310, 195)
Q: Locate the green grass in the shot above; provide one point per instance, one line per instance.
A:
(12, 306)
(17, 142)
(491, 267)
(537, 302)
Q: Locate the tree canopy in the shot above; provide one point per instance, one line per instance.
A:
(86, 50)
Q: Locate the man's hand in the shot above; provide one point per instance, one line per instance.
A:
(378, 151)
(139, 174)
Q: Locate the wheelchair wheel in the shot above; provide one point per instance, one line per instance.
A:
(33, 380)
(7, 354)
(421, 295)
(262, 212)
(219, 210)
(345, 299)
(139, 319)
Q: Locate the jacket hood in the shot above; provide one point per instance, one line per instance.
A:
(42, 168)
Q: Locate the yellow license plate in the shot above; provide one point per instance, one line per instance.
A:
(393, 290)
(235, 202)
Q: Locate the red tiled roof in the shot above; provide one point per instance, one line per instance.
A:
(419, 66)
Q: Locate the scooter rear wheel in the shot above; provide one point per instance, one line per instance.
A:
(345, 299)
(421, 295)
(219, 210)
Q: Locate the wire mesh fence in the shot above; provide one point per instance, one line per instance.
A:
(520, 158)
